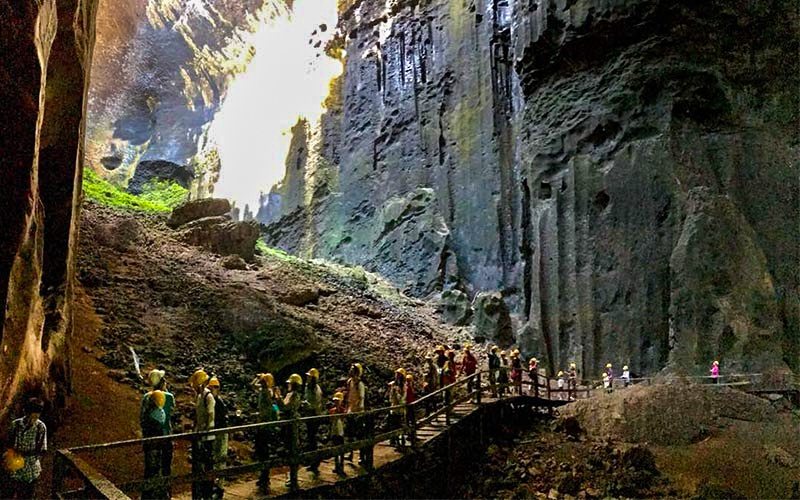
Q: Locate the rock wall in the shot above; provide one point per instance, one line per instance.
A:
(178, 60)
(46, 48)
(625, 173)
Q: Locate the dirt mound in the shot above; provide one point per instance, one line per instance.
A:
(665, 414)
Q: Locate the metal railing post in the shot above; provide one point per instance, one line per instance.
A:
(294, 455)
(478, 380)
(447, 401)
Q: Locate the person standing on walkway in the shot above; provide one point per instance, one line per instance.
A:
(607, 383)
(291, 411)
(355, 397)
(516, 371)
(533, 374)
(158, 381)
(397, 397)
(502, 375)
(715, 372)
(268, 395)
(572, 380)
(410, 410)
(441, 360)
(450, 369)
(28, 443)
(314, 403)
(560, 385)
(468, 366)
(203, 449)
(494, 368)
(610, 374)
(151, 422)
(220, 448)
(626, 376)
(337, 431)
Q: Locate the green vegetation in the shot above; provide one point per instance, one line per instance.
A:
(158, 196)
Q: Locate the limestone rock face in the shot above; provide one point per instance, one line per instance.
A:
(46, 50)
(455, 307)
(161, 70)
(198, 209)
(223, 236)
(563, 144)
(492, 320)
(159, 170)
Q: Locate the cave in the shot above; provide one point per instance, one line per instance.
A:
(577, 181)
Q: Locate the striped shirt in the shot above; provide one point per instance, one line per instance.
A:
(30, 442)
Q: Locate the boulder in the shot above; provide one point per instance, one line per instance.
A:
(492, 319)
(223, 236)
(159, 170)
(455, 307)
(234, 262)
(300, 296)
(198, 209)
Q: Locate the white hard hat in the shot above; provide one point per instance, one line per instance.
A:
(155, 377)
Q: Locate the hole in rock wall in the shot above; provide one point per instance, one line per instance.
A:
(545, 191)
(601, 201)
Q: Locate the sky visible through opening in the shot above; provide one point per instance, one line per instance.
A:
(285, 80)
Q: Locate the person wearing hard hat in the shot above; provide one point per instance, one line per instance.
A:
(410, 398)
(502, 373)
(151, 421)
(715, 372)
(468, 365)
(221, 412)
(572, 380)
(450, 370)
(203, 449)
(337, 431)
(268, 395)
(607, 383)
(290, 408)
(516, 371)
(441, 357)
(626, 376)
(22, 461)
(533, 375)
(560, 384)
(397, 398)
(157, 381)
(430, 382)
(494, 367)
(355, 398)
(313, 402)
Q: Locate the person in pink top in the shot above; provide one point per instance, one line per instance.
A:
(715, 372)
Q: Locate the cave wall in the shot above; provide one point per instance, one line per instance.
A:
(178, 60)
(46, 49)
(625, 173)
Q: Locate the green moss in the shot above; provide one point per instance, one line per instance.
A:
(157, 195)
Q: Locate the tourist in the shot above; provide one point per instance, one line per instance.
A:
(151, 422)
(468, 366)
(158, 381)
(626, 376)
(450, 369)
(355, 398)
(533, 374)
(494, 367)
(560, 384)
(572, 380)
(607, 383)
(203, 449)
(337, 431)
(516, 371)
(220, 422)
(28, 442)
(268, 394)
(410, 398)
(715, 372)
(430, 383)
(314, 403)
(397, 397)
(502, 375)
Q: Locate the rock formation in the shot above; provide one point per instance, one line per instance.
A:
(625, 173)
(178, 59)
(46, 49)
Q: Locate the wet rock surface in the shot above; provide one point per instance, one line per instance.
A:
(565, 144)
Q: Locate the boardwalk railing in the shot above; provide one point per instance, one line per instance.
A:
(84, 471)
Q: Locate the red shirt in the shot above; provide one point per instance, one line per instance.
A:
(468, 363)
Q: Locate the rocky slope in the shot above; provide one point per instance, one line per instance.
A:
(181, 307)
(624, 174)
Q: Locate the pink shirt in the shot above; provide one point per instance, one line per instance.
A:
(715, 371)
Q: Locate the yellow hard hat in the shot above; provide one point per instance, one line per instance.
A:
(409, 377)
(716, 362)
(198, 378)
(313, 373)
(605, 375)
(214, 382)
(267, 378)
(625, 367)
(338, 396)
(572, 364)
(294, 379)
(359, 368)
(467, 347)
(502, 353)
(534, 360)
(514, 354)
(13, 461)
(560, 373)
(158, 398)
(401, 371)
(608, 365)
(494, 348)
(439, 348)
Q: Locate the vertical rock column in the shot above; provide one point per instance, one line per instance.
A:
(47, 50)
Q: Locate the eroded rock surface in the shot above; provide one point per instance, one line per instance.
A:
(563, 144)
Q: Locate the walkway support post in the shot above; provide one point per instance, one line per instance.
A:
(294, 454)
(411, 418)
(196, 468)
(447, 400)
(478, 379)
